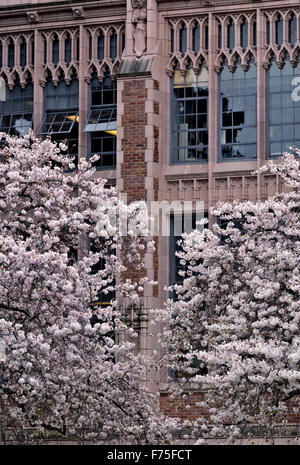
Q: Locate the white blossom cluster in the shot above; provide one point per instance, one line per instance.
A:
(68, 367)
(232, 328)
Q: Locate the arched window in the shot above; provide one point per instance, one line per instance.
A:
(283, 109)
(17, 110)
(23, 51)
(113, 46)
(196, 38)
(68, 44)
(230, 35)
(11, 54)
(100, 46)
(55, 50)
(182, 38)
(279, 30)
(237, 108)
(190, 117)
(292, 30)
(244, 33)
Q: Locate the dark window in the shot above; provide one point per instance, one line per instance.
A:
(254, 33)
(189, 117)
(1, 51)
(196, 38)
(182, 39)
(113, 46)
(11, 54)
(32, 52)
(77, 48)
(219, 36)
(279, 30)
(268, 32)
(17, 110)
(55, 50)
(102, 122)
(100, 47)
(45, 51)
(238, 112)
(68, 44)
(244, 33)
(283, 110)
(292, 30)
(172, 40)
(23, 51)
(206, 37)
(230, 35)
(90, 47)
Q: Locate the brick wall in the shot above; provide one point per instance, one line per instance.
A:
(134, 142)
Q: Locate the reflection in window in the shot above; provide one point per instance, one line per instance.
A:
(238, 112)
(102, 122)
(190, 112)
(283, 111)
(17, 110)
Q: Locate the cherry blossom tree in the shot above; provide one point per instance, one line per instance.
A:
(232, 328)
(69, 369)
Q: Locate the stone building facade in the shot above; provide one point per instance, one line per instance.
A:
(182, 100)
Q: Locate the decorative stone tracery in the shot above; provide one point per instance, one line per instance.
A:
(106, 63)
(189, 58)
(231, 55)
(17, 72)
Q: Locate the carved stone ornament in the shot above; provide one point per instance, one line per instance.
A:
(139, 19)
(33, 17)
(78, 12)
(208, 3)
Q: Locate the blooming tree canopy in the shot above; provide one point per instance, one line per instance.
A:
(232, 329)
(68, 367)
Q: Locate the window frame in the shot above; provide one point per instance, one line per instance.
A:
(196, 130)
(233, 127)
